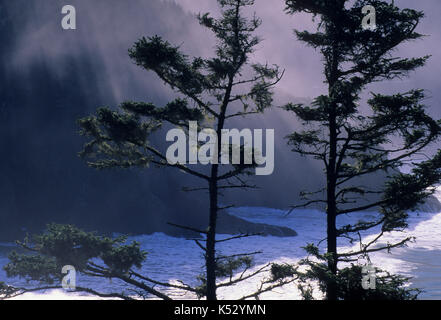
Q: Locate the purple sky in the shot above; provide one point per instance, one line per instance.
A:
(106, 29)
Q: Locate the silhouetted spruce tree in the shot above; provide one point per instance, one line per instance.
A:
(106, 258)
(353, 141)
(212, 91)
(90, 254)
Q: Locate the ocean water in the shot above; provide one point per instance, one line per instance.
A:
(170, 259)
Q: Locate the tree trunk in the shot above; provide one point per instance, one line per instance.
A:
(331, 211)
(331, 292)
(210, 255)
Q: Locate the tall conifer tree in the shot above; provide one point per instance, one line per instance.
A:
(212, 91)
(353, 139)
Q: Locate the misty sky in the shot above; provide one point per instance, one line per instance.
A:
(303, 66)
(109, 29)
(106, 29)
